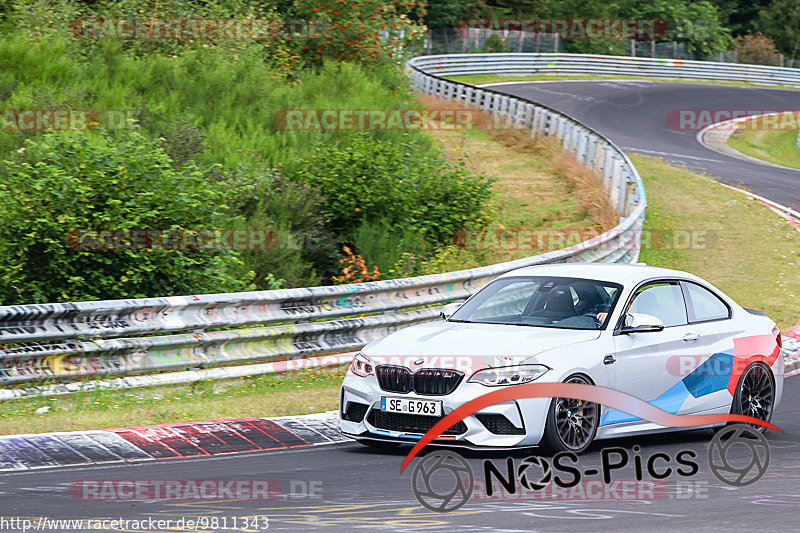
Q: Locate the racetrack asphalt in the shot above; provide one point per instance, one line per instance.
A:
(641, 117)
(342, 487)
(346, 487)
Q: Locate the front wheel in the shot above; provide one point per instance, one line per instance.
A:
(571, 424)
(755, 394)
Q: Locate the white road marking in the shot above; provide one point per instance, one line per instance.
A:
(641, 150)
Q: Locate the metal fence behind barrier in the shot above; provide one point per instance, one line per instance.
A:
(599, 65)
(477, 40)
(63, 341)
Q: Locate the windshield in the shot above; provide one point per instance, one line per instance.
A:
(567, 303)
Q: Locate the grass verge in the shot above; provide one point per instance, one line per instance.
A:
(543, 198)
(266, 395)
(481, 79)
(738, 244)
(772, 145)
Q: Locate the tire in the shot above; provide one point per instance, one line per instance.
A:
(755, 394)
(571, 424)
(378, 444)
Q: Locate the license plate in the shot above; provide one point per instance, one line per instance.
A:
(411, 406)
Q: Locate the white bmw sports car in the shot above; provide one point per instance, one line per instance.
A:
(663, 336)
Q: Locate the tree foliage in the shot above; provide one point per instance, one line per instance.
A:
(61, 185)
(781, 21)
(372, 180)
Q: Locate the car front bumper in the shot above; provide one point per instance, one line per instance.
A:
(527, 416)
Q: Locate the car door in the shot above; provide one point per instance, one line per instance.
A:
(647, 364)
(707, 379)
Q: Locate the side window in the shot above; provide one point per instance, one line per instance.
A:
(705, 304)
(662, 300)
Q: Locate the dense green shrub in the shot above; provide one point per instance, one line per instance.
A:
(381, 244)
(212, 106)
(231, 101)
(63, 183)
(373, 180)
(301, 248)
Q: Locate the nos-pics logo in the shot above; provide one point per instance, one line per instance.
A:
(443, 481)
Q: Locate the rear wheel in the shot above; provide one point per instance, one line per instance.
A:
(571, 424)
(755, 394)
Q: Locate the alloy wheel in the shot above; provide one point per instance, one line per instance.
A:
(757, 394)
(576, 420)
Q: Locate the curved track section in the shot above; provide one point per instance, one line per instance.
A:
(639, 116)
(345, 486)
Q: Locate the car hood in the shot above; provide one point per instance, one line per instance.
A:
(476, 340)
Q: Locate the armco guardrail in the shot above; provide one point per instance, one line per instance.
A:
(64, 341)
(583, 65)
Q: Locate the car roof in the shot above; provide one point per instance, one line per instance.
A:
(623, 273)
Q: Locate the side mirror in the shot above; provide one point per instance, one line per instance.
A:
(448, 310)
(641, 323)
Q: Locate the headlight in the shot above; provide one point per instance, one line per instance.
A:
(508, 375)
(361, 366)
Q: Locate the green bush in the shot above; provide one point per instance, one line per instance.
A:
(380, 180)
(64, 183)
(381, 244)
(299, 244)
(214, 104)
(494, 45)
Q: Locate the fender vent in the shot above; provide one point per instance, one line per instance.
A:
(499, 425)
(355, 412)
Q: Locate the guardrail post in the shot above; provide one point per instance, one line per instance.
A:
(552, 123)
(566, 133)
(591, 152)
(623, 192)
(582, 141)
(608, 169)
(536, 121)
(527, 116)
(617, 185)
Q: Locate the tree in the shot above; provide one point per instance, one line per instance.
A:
(695, 23)
(64, 187)
(781, 21)
(739, 15)
(449, 13)
(756, 49)
(361, 30)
